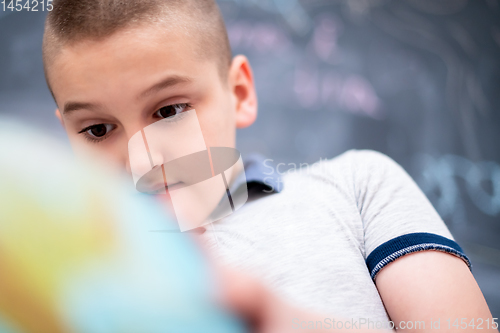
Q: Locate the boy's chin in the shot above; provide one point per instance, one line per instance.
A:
(166, 202)
(163, 197)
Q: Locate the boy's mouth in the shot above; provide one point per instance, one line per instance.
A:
(160, 188)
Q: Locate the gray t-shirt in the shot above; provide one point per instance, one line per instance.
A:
(322, 239)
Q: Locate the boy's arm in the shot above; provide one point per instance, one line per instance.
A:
(420, 271)
(434, 289)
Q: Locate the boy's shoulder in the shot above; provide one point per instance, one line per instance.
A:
(357, 163)
(362, 157)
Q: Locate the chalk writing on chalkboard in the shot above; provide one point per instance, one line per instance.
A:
(440, 177)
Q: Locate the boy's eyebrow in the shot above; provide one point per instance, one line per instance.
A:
(73, 106)
(165, 83)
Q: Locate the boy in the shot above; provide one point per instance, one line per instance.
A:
(326, 238)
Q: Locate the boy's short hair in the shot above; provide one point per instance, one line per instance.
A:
(72, 21)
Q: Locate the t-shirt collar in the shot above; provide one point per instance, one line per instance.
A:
(259, 178)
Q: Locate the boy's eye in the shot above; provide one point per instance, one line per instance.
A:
(98, 131)
(171, 110)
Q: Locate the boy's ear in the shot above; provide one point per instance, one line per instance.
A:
(58, 115)
(243, 90)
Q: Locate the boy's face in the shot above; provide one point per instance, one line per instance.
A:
(108, 90)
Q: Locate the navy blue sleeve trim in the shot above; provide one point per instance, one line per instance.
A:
(419, 241)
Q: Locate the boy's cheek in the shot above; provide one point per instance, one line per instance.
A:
(218, 126)
(220, 134)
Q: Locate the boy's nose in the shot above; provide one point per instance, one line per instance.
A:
(164, 141)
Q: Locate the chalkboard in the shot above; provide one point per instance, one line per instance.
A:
(417, 80)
